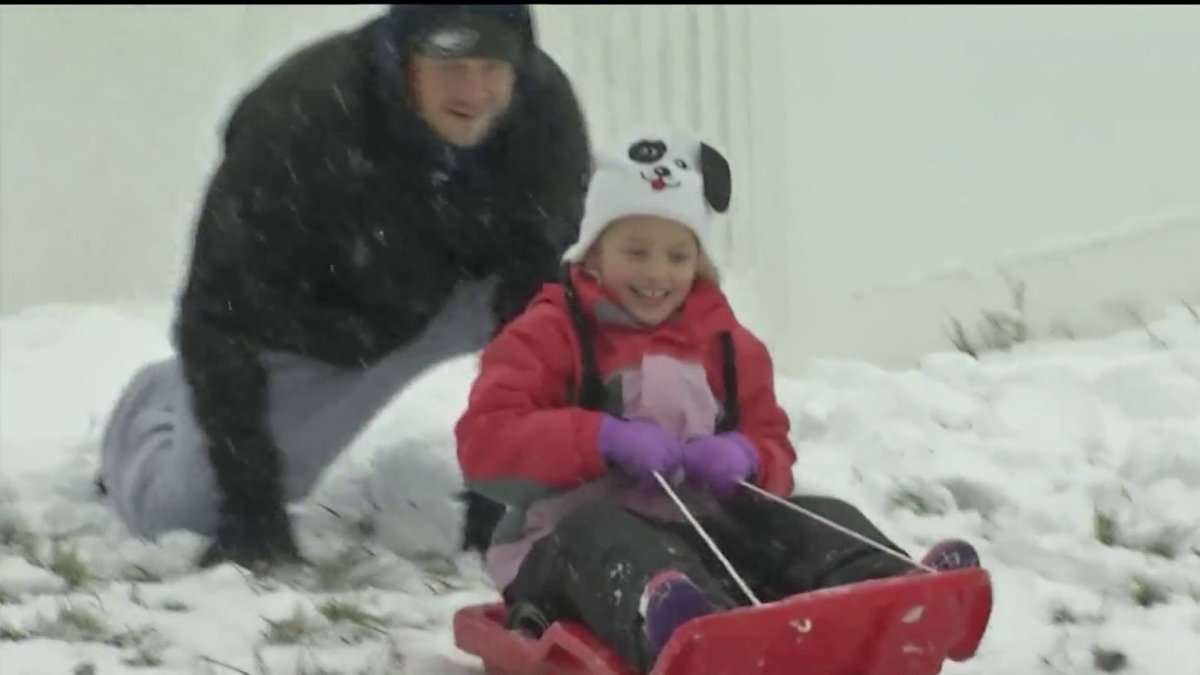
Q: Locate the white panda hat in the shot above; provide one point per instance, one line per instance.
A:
(672, 176)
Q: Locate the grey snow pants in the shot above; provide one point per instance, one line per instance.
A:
(153, 458)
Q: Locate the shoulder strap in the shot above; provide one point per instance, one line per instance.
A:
(591, 392)
(591, 389)
(729, 369)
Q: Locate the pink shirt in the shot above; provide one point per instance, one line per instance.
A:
(665, 390)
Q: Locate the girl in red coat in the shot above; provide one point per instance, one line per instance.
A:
(633, 366)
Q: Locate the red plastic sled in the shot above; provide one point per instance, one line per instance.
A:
(897, 626)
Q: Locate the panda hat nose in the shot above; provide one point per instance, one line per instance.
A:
(640, 177)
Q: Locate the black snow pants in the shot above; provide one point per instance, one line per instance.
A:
(593, 567)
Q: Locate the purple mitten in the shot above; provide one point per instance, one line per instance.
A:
(717, 463)
(639, 448)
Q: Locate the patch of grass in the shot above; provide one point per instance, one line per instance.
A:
(1105, 528)
(1169, 543)
(292, 630)
(73, 624)
(141, 575)
(261, 583)
(335, 621)
(440, 584)
(307, 668)
(16, 536)
(338, 610)
(343, 571)
(997, 330)
(1062, 615)
(11, 633)
(434, 563)
(1134, 316)
(260, 663)
(393, 661)
(143, 659)
(388, 663)
(362, 624)
(1165, 544)
(1108, 660)
(66, 563)
(174, 606)
(1146, 592)
(86, 622)
(79, 624)
(1062, 330)
(128, 638)
(146, 647)
(912, 499)
(135, 595)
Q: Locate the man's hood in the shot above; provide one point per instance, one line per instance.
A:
(404, 22)
(392, 36)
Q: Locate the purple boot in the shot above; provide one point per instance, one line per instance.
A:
(669, 600)
(951, 554)
(956, 554)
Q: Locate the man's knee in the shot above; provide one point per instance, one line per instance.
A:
(137, 419)
(152, 467)
(150, 386)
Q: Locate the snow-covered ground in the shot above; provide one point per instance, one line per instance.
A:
(1074, 466)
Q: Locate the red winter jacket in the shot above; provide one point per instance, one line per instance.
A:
(523, 428)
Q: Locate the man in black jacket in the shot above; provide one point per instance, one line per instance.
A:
(387, 199)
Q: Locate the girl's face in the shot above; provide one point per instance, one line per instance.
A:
(648, 264)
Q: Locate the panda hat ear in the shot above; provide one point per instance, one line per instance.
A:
(718, 180)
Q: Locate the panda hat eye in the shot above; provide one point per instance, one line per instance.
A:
(647, 151)
(681, 164)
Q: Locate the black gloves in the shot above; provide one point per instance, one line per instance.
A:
(253, 535)
(229, 393)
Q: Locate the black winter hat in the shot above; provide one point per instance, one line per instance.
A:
(448, 31)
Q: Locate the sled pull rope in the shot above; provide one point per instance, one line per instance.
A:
(839, 528)
(707, 539)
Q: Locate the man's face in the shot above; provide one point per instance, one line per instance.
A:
(461, 98)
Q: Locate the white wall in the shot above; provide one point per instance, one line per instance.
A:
(684, 67)
(932, 146)
(106, 119)
(109, 127)
(887, 159)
